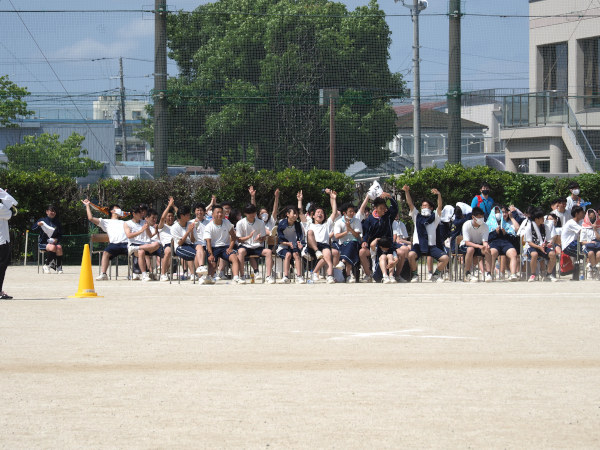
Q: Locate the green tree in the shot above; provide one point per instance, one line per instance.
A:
(11, 102)
(47, 152)
(248, 88)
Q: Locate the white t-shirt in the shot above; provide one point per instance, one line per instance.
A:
(340, 227)
(155, 235)
(199, 229)
(587, 235)
(322, 230)
(114, 229)
(218, 234)
(177, 232)
(399, 229)
(165, 234)
(134, 228)
(243, 228)
(474, 235)
(529, 230)
(431, 235)
(569, 232)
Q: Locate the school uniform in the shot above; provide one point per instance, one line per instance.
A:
(244, 228)
(185, 251)
(289, 233)
(117, 239)
(220, 238)
(50, 231)
(477, 236)
(378, 227)
(348, 245)
(5, 215)
(539, 235)
(430, 233)
(569, 236)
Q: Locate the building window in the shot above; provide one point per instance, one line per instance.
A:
(591, 72)
(555, 67)
(543, 166)
(472, 145)
(136, 115)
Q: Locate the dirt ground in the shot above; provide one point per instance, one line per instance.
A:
(152, 365)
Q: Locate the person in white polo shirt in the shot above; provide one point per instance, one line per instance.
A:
(252, 233)
(117, 239)
(475, 244)
(220, 242)
(139, 236)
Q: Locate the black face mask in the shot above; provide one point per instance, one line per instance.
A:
(485, 192)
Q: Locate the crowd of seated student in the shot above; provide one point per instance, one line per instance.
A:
(211, 238)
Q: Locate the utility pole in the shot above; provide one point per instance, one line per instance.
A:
(160, 88)
(454, 84)
(331, 134)
(123, 123)
(415, 8)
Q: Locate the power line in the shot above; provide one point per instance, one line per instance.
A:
(63, 86)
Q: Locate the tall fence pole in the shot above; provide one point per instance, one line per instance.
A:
(160, 88)
(454, 82)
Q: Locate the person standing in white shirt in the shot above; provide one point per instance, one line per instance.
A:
(7, 202)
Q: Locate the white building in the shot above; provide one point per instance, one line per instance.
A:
(556, 127)
(109, 108)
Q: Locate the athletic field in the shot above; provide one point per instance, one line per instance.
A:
(153, 365)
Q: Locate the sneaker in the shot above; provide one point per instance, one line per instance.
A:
(430, 276)
(146, 277)
(45, 268)
(552, 278)
(285, 280)
(270, 280)
(531, 278)
(59, 270)
(414, 278)
(474, 279)
(206, 280)
(304, 253)
(300, 280)
(330, 279)
(52, 264)
(136, 276)
(386, 280)
(434, 278)
(5, 296)
(351, 279)
(367, 279)
(315, 277)
(164, 277)
(488, 278)
(202, 270)
(340, 265)
(318, 254)
(393, 280)
(239, 280)
(102, 277)
(514, 277)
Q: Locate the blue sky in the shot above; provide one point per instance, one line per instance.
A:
(495, 50)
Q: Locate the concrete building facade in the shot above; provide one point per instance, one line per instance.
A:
(555, 129)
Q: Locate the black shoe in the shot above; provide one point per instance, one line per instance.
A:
(5, 296)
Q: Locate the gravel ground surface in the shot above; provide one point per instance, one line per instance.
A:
(153, 365)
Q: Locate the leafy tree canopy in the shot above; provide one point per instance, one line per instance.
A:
(250, 75)
(11, 102)
(47, 152)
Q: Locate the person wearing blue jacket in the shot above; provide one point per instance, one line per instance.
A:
(49, 240)
(291, 242)
(483, 200)
(379, 224)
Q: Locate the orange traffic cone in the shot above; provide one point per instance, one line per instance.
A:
(86, 281)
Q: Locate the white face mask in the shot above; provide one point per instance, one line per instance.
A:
(498, 217)
(425, 212)
(118, 211)
(479, 220)
(576, 191)
(264, 217)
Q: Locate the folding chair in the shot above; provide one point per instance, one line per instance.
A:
(102, 238)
